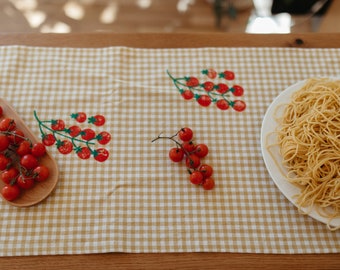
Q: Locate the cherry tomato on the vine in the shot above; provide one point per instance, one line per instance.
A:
(25, 182)
(58, 125)
(84, 152)
(24, 148)
(196, 177)
(41, 173)
(206, 170)
(5, 162)
(80, 117)
(4, 142)
(48, 139)
(10, 175)
(101, 154)
(208, 183)
(188, 146)
(65, 147)
(104, 137)
(38, 149)
(192, 161)
(201, 150)
(7, 124)
(185, 134)
(176, 154)
(10, 192)
(16, 136)
(29, 161)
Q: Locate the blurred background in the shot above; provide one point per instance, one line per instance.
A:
(142, 16)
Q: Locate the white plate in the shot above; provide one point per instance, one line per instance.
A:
(273, 161)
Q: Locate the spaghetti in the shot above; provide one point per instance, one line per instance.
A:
(309, 141)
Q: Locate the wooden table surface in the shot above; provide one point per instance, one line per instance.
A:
(173, 260)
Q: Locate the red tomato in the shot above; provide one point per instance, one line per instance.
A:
(206, 170)
(196, 177)
(41, 173)
(38, 149)
(4, 142)
(80, 117)
(192, 161)
(176, 154)
(237, 90)
(239, 105)
(97, 120)
(10, 175)
(222, 88)
(185, 134)
(74, 131)
(101, 154)
(88, 134)
(192, 82)
(25, 182)
(204, 100)
(17, 136)
(65, 147)
(222, 104)
(228, 75)
(84, 152)
(7, 124)
(5, 162)
(10, 192)
(208, 86)
(29, 161)
(48, 139)
(58, 125)
(24, 148)
(188, 146)
(211, 73)
(208, 184)
(187, 94)
(104, 137)
(201, 150)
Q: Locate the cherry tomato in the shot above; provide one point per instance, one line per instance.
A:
(201, 150)
(206, 170)
(222, 104)
(211, 73)
(84, 153)
(80, 117)
(10, 175)
(29, 161)
(58, 125)
(192, 161)
(188, 146)
(176, 154)
(38, 149)
(65, 147)
(192, 82)
(228, 75)
(239, 105)
(196, 177)
(24, 148)
(101, 154)
(104, 137)
(87, 134)
(97, 120)
(208, 86)
(204, 100)
(7, 124)
(208, 183)
(10, 192)
(4, 142)
(187, 94)
(41, 173)
(25, 182)
(222, 88)
(74, 131)
(16, 137)
(185, 134)
(5, 162)
(237, 90)
(48, 139)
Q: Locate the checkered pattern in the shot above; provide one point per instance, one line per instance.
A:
(138, 201)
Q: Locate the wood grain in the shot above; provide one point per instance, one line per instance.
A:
(173, 260)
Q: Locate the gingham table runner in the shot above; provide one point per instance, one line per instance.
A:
(138, 200)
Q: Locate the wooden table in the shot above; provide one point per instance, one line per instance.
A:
(173, 260)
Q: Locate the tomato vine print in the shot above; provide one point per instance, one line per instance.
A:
(212, 89)
(75, 138)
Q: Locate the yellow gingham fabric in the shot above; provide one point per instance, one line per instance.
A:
(138, 200)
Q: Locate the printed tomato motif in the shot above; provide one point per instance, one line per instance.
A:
(65, 147)
(97, 120)
(58, 124)
(101, 154)
(7, 124)
(84, 152)
(88, 134)
(48, 139)
(104, 137)
(217, 91)
(80, 117)
(74, 131)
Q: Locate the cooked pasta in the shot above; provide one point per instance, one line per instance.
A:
(309, 141)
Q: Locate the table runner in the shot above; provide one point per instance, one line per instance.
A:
(138, 200)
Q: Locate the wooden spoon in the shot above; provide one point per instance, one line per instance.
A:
(41, 190)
